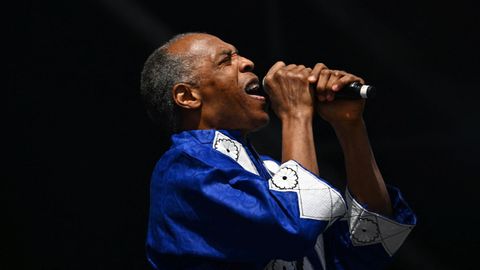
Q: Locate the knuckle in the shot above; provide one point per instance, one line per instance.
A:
(290, 74)
(279, 73)
(303, 75)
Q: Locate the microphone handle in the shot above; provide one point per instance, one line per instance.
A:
(356, 90)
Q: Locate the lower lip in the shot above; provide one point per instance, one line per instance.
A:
(257, 97)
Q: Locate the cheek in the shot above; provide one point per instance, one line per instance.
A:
(229, 106)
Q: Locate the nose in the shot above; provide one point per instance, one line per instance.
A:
(246, 65)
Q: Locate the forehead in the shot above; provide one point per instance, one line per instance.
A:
(201, 45)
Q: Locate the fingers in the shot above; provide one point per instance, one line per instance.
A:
(288, 89)
(280, 67)
(333, 84)
(322, 87)
(301, 72)
(345, 80)
(324, 81)
(306, 72)
(327, 81)
(268, 77)
(316, 72)
(291, 67)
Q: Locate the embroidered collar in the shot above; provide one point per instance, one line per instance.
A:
(229, 142)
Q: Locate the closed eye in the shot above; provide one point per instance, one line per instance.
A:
(228, 55)
(226, 60)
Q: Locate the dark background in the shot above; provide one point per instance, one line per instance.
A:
(81, 147)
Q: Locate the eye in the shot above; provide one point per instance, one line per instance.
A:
(228, 57)
(226, 60)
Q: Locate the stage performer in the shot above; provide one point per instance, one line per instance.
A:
(215, 203)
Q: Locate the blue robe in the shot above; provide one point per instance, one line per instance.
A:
(216, 204)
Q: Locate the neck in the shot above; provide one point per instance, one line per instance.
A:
(194, 121)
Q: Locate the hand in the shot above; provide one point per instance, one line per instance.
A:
(326, 83)
(289, 91)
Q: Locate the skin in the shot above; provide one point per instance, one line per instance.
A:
(296, 92)
(364, 178)
(292, 101)
(220, 95)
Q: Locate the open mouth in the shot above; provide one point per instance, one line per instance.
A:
(253, 89)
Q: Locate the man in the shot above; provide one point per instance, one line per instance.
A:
(217, 204)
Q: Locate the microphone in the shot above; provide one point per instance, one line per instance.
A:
(356, 90)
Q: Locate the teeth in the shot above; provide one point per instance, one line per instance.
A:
(252, 87)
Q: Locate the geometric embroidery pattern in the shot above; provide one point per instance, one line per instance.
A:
(233, 149)
(366, 231)
(316, 199)
(285, 178)
(228, 147)
(367, 228)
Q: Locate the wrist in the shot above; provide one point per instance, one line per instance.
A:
(296, 117)
(347, 127)
(298, 143)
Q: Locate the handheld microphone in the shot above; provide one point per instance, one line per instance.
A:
(356, 90)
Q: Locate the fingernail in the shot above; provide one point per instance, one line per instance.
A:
(311, 78)
(334, 87)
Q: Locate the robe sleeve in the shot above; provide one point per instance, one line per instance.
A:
(367, 240)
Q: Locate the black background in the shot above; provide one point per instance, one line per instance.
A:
(81, 147)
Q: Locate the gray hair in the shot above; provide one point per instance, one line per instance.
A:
(161, 71)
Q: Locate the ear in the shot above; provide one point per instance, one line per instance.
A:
(186, 96)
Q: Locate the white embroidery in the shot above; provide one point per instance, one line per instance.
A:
(227, 147)
(285, 178)
(235, 150)
(316, 199)
(366, 231)
(367, 228)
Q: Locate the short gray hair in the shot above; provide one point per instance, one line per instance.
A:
(161, 71)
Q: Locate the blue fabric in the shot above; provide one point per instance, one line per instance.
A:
(206, 207)
(207, 212)
(340, 254)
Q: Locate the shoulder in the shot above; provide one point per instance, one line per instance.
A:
(191, 162)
